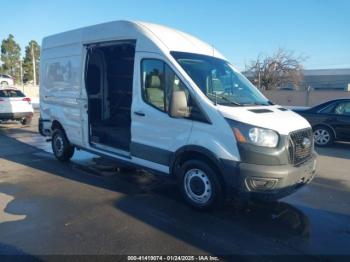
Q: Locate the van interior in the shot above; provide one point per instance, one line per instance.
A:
(109, 81)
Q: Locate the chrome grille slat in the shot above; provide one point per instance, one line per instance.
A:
(299, 153)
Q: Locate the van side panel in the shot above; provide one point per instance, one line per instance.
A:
(217, 138)
(60, 88)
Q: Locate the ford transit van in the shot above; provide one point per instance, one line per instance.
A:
(162, 100)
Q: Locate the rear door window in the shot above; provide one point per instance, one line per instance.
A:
(343, 109)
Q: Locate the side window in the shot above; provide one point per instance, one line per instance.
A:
(328, 109)
(153, 86)
(173, 85)
(160, 84)
(342, 108)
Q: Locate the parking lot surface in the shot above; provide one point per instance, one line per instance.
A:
(87, 206)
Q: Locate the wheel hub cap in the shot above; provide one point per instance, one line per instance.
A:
(197, 186)
(59, 145)
(321, 136)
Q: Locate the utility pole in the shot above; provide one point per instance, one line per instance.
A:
(34, 68)
(21, 72)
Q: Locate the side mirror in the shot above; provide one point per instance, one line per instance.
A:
(178, 106)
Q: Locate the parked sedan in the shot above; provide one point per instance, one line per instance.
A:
(14, 105)
(330, 121)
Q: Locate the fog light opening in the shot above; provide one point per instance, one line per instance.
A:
(259, 183)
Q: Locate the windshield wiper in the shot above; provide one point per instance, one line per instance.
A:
(230, 101)
(255, 104)
(215, 97)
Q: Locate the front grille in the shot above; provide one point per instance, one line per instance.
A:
(301, 145)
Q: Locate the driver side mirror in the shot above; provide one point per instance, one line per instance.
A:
(179, 106)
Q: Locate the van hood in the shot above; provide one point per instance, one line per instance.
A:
(274, 117)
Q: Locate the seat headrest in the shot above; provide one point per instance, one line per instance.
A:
(154, 81)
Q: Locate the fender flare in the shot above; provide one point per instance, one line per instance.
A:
(229, 169)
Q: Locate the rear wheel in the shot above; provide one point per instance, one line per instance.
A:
(323, 136)
(200, 185)
(26, 121)
(61, 147)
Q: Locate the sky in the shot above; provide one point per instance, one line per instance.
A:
(241, 30)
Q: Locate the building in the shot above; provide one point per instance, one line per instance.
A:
(319, 79)
(335, 79)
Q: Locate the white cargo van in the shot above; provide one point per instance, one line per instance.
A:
(156, 98)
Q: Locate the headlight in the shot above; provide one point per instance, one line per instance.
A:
(263, 137)
(258, 136)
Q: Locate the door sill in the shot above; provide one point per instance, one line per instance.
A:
(111, 150)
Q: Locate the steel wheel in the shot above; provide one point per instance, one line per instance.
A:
(58, 145)
(198, 186)
(61, 147)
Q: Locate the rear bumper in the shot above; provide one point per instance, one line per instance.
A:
(271, 182)
(15, 116)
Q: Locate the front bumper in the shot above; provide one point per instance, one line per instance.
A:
(271, 182)
(15, 116)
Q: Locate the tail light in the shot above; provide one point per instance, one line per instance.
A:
(27, 99)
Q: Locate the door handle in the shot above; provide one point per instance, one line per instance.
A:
(139, 113)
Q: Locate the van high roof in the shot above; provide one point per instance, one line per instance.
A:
(150, 36)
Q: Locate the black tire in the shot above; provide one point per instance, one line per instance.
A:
(193, 185)
(61, 147)
(26, 121)
(323, 136)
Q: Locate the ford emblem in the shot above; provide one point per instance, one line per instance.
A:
(306, 142)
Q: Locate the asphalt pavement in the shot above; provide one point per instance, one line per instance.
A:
(89, 206)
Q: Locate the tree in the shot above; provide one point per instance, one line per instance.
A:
(32, 49)
(10, 56)
(282, 69)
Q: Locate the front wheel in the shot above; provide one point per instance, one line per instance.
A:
(200, 185)
(61, 147)
(323, 136)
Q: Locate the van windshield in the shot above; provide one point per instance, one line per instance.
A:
(219, 81)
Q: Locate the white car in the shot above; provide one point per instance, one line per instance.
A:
(14, 105)
(6, 80)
